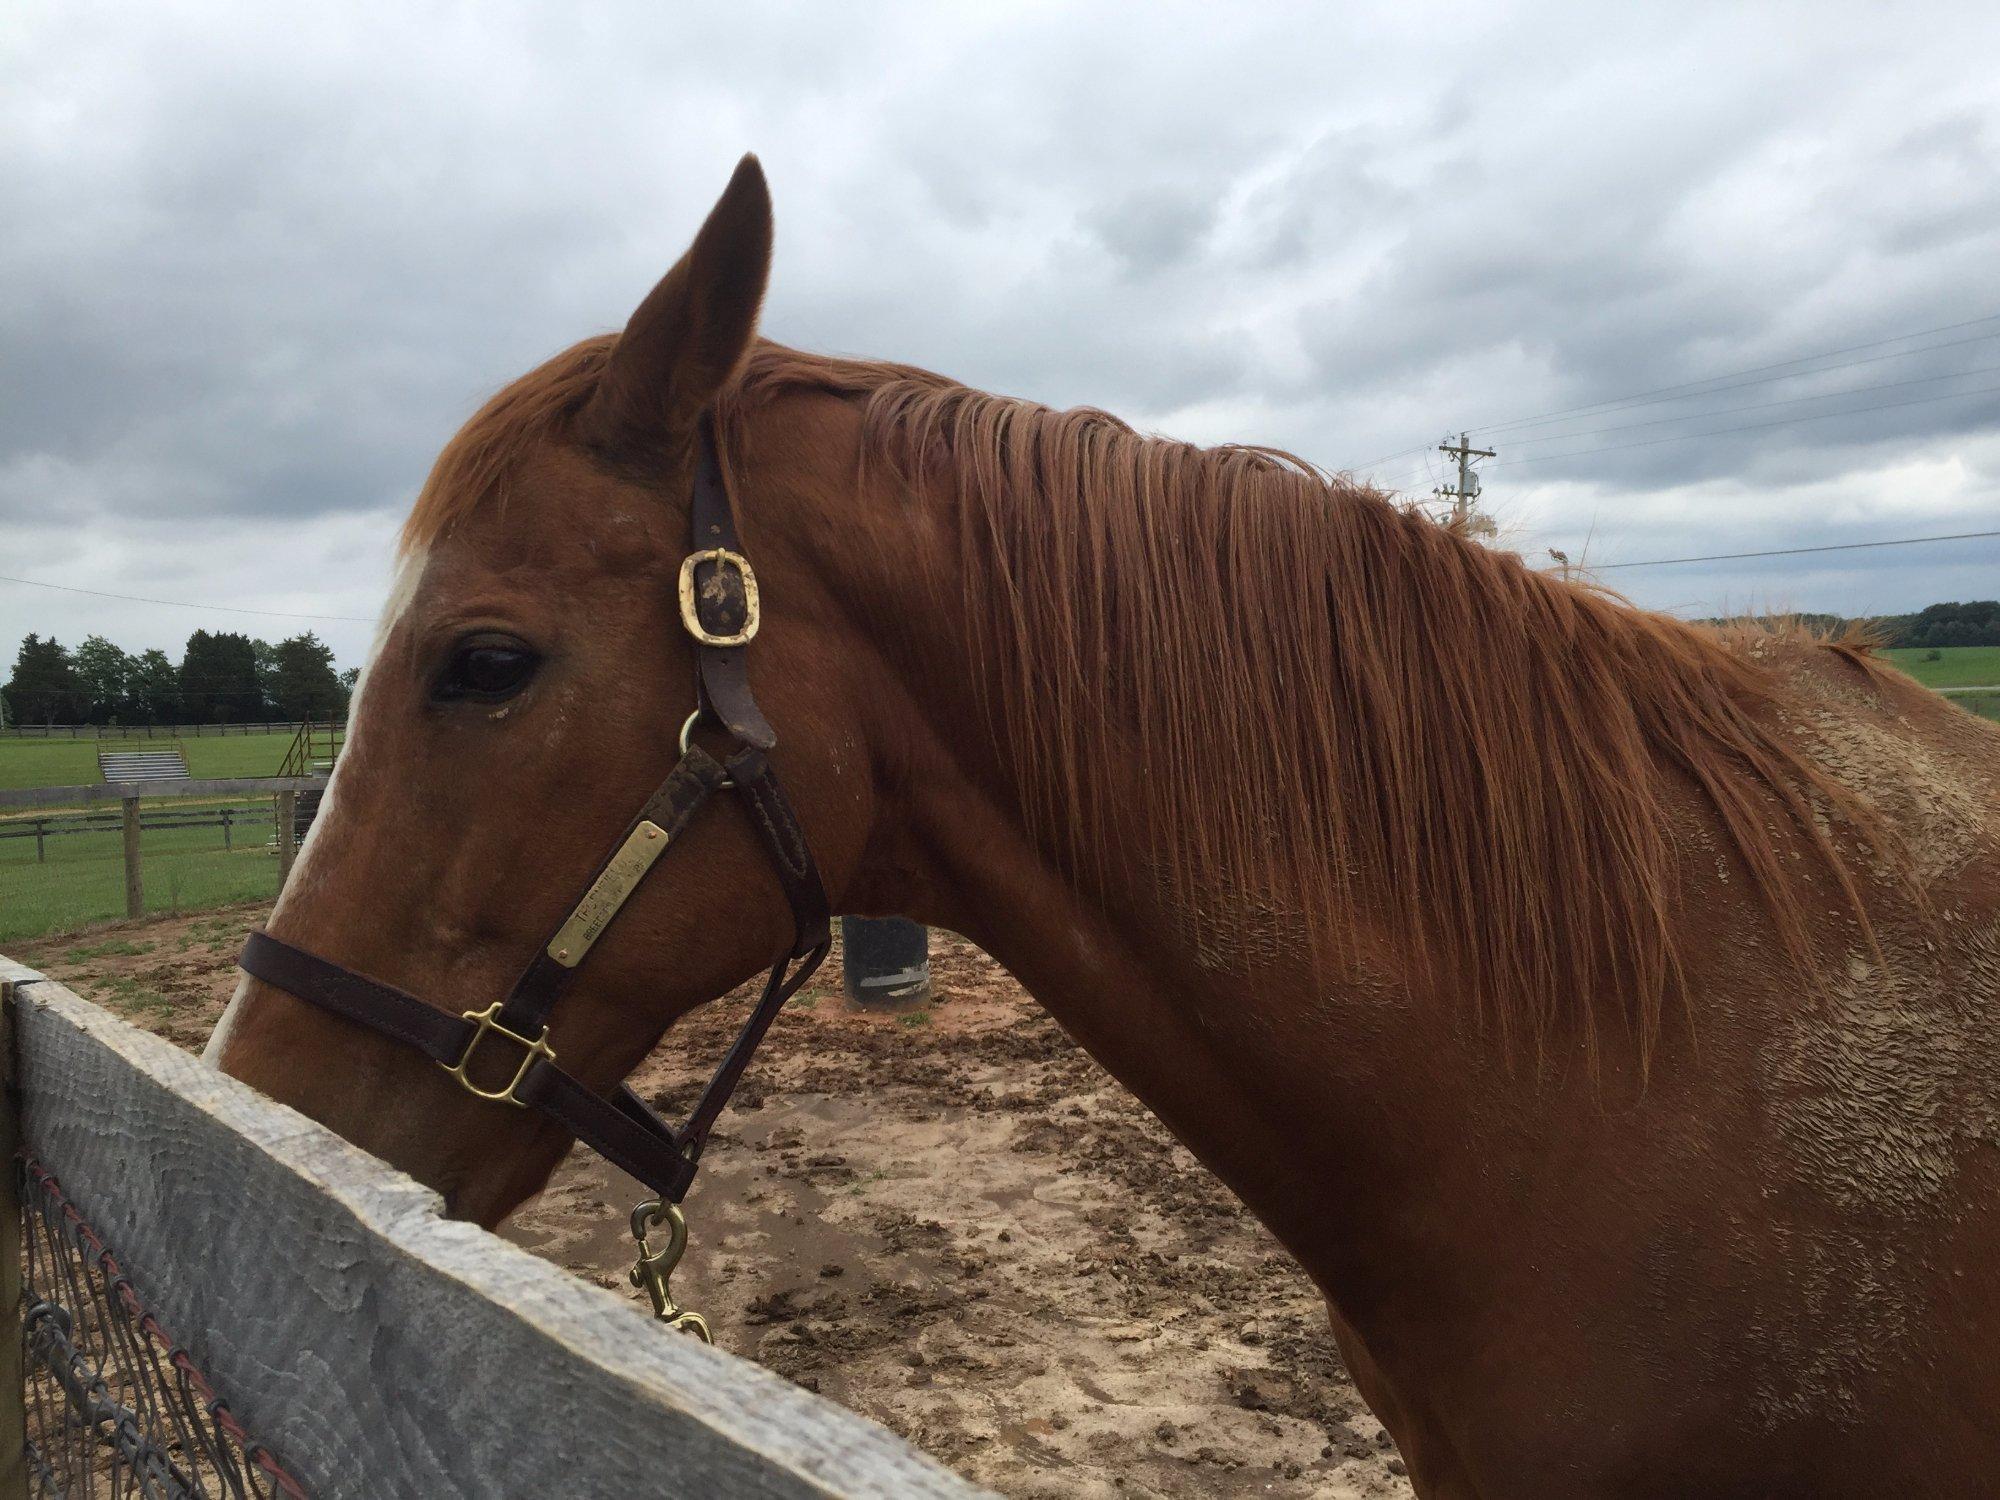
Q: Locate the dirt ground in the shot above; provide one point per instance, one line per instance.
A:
(952, 1221)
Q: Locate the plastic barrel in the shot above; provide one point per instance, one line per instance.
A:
(886, 962)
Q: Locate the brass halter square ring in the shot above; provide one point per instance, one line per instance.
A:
(488, 1022)
(722, 557)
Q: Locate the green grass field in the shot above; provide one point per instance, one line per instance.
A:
(185, 869)
(1956, 666)
(1986, 705)
(83, 880)
(26, 763)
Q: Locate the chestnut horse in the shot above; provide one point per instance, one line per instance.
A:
(1605, 1011)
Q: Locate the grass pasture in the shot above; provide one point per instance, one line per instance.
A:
(1986, 705)
(26, 763)
(1956, 666)
(82, 881)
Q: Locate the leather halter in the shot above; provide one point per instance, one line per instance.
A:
(719, 609)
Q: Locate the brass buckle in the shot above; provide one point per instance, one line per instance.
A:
(691, 617)
(536, 1047)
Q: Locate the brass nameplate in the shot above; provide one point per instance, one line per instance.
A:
(607, 893)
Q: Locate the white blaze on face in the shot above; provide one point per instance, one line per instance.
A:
(304, 876)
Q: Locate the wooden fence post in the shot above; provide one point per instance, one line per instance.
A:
(41, 839)
(288, 834)
(135, 885)
(13, 1390)
(225, 828)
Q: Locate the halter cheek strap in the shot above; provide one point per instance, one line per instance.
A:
(719, 608)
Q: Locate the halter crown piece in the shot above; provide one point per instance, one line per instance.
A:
(719, 609)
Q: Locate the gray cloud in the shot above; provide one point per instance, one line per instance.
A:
(259, 266)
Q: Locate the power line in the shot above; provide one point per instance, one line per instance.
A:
(1377, 462)
(1689, 388)
(227, 609)
(1853, 411)
(1904, 541)
(1688, 385)
(1681, 437)
(1425, 470)
(1715, 390)
(1730, 411)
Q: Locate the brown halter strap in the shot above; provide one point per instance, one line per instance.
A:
(719, 608)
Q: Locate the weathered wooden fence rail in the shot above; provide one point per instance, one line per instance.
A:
(376, 1347)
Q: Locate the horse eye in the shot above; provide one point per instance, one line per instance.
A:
(485, 670)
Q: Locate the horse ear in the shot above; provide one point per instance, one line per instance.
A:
(693, 329)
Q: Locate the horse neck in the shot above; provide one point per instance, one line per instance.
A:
(1214, 1018)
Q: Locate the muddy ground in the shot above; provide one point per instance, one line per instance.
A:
(952, 1221)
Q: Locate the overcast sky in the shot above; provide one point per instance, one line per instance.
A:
(257, 262)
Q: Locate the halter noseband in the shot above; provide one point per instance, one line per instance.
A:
(719, 608)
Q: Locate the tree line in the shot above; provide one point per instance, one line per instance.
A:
(221, 678)
(1973, 624)
(1935, 626)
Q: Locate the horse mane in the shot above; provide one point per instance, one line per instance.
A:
(1338, 701)
(1343, 706)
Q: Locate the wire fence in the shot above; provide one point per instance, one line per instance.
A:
(115, 1408)
(67, 870)
(185, 847)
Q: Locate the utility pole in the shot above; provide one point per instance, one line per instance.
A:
(1463, 517)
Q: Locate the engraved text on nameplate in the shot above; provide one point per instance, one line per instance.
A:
(607, 893)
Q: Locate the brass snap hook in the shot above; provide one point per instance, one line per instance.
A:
(655, 1268)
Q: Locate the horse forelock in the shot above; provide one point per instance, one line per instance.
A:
(471, 471)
